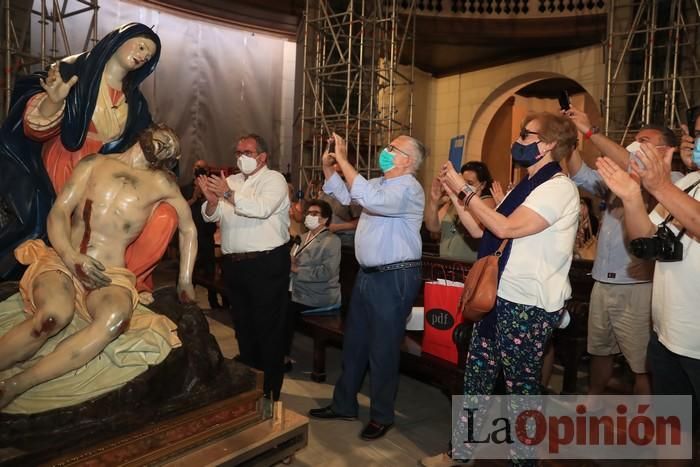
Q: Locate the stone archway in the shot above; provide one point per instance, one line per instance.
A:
(497, 120)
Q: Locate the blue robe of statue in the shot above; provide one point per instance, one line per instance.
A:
(26, 192)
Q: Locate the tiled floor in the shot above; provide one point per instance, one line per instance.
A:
(422, 411)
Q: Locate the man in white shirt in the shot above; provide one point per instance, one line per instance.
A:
(674, 347)
(253, 209)
(620, 304)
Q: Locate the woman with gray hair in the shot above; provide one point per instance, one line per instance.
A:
(538, 218)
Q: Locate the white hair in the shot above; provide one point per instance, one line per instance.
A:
(418, 153)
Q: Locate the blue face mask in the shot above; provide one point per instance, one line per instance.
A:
(525, 155)
(386, 160)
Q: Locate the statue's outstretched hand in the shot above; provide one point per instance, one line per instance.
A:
(55, 87)
(185, 292)
(88, 270)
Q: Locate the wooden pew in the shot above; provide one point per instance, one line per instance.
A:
(325, 331)
(570, 343)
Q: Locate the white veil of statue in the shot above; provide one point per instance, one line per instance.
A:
(212, 83)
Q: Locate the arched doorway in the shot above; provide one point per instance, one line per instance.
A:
(497, 122)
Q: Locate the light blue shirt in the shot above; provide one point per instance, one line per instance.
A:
(613, 264)
(392, 213)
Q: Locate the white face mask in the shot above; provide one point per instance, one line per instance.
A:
(247, 164)
(633, 147)
(311, 222)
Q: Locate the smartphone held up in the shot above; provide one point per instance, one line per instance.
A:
(330, 149)
(564, 101)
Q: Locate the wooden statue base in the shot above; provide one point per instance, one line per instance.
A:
(264, 444)
(160, 442)
(230, 432)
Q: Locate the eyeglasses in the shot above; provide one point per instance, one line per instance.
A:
(245, 153)
(392, 148)
(313, 213)
(524, 133)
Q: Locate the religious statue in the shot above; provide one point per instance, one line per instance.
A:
(103, 207)
(85, 104)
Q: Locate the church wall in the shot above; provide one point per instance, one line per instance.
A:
(467, 103)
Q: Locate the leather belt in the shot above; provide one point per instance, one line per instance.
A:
(393, 266)
(236, 257)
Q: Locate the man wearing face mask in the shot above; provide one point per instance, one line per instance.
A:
(620, 304)
(388, 248)
(253, 209)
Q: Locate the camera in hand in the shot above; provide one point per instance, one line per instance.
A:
(200, 171)
(665, 246)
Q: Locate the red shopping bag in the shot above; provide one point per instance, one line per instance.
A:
(441, 318)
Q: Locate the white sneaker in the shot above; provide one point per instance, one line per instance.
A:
(444, 460)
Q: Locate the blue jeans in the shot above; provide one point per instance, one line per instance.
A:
(374, 330)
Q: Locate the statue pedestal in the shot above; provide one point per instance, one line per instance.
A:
(167, 409)
(266, 443)
(223, 433)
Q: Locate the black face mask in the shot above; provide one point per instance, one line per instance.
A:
(200, 171)
(525, 155)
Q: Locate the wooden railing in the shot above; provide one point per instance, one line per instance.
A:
(506, 9)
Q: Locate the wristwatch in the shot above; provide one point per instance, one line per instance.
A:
(228, 194)
(464, 192)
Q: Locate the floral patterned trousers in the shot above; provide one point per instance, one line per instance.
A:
(517, 348)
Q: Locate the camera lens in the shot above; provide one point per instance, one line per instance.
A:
(645, 248)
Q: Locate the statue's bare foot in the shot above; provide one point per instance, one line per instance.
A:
(146, 298)
(8, 392)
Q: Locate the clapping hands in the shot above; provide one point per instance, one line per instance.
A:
(213, 186)
(620, 182)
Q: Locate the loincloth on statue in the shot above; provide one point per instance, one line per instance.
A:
(40, 258)
(147, 342)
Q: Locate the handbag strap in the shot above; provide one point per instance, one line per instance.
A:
(499, 252)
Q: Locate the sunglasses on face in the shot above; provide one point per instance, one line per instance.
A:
(524, 133)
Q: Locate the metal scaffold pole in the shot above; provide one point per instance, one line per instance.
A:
(652, 64)
(43, 21)
(357, 80)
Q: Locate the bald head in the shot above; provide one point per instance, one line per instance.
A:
(200, 164)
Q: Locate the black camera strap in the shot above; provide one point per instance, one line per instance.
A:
(669, 218)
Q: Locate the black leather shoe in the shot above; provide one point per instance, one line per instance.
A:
(327, 413)
(374, 430)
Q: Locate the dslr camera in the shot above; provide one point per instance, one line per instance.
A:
(664, 246)
(200, 171)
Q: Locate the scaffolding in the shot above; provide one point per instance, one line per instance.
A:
(357, 79)
(652, 64)
(45, 20)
